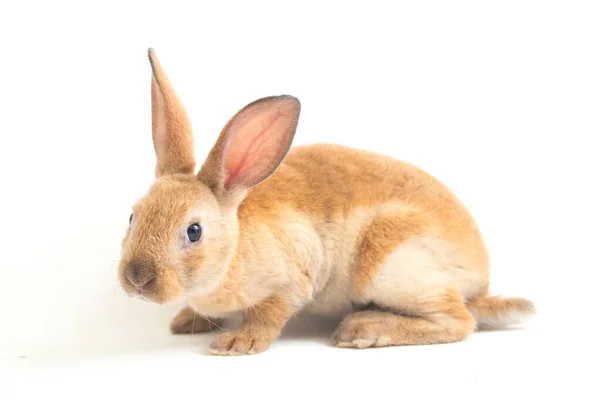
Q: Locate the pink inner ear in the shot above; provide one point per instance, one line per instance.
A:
(258, 138)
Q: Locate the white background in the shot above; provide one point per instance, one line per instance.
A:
(500, 100)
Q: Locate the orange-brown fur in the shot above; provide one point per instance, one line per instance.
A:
(169, 115)
(260, 327)
(491, 311)
(380, 238)
(383, 328)
(322, 227)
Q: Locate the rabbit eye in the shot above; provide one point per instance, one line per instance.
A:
(194, 232)
(130, 219)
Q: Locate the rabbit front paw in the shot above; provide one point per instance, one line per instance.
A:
(262, 325)
(241, 342)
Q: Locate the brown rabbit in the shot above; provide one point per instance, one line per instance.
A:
(333, 230)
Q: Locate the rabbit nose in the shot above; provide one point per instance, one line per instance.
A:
(139, 273)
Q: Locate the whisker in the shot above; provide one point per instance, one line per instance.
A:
(210, 322)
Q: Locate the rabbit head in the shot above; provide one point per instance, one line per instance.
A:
(183, 232)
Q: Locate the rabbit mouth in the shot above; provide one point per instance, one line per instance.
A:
(138, 293)
(143, 280)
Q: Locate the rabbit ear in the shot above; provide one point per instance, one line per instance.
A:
(252, 145)
(171, 129)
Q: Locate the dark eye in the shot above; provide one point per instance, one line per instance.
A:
(130, 219)
(194, 232)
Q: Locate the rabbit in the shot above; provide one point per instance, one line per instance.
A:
(265, 230)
